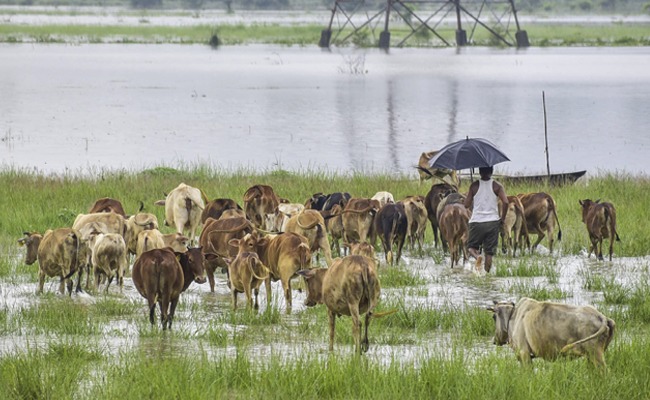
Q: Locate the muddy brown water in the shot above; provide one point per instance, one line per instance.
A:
(444, 288)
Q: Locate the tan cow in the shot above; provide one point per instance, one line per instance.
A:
(514, 232)
(416, 220)
(454, 228)
(284, 254)
(153, 239)
(214, 242)
(361, 249)
(541, 217)
(183, 208)
(215, 208)
(136, 224)
(431, 201)
(358, 216)
(160, 276)
(106, 204)
(31, 240)
(232, 213)
(260, 200)
(349, 287)
(550, 330)
(109, 258)
(246, 272)
(441, 175)
(334, 225)
(60, 254)
(600, 219)
(311, 225)
(101, 222)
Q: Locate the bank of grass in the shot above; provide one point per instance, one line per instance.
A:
(540, 34)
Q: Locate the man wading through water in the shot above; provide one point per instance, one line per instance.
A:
(486, 221)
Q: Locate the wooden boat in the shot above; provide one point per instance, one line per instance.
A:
(565, 178)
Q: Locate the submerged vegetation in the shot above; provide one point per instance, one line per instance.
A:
(436, 344)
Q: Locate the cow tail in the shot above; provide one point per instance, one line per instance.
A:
(365, 281)
(304, 256)
(188, 206)
(612, 223)
(554, 211)
(604, 327)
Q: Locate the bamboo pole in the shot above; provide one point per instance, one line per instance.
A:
(548, 166)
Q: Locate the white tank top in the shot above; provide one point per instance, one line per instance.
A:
(485, 207)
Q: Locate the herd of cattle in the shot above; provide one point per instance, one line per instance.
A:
(272, 239)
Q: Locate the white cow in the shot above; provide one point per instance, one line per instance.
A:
(183, 208)
(383, 198)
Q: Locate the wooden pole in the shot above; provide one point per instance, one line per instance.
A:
(548, 166)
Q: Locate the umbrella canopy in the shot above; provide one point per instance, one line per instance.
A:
(468, 153)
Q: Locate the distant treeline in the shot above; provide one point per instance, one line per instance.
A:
(530, 6)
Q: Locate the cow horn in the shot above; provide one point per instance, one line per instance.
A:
(141, 206)
(267, 232)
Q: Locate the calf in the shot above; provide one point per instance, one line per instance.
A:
(136, 224)
(246, 272)
(431, 201)
(391, 225)
(160, 277)
(362, 249)
(349, 287)
(334, 225)
(540, 213)
(514, 229)
(109, 258)
(549, 330)
(416, 219)
(454, 228)
(153, 239)
(60, 253)
(600, 219)
(31, 241)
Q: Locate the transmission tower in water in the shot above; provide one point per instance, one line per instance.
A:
(426, 22)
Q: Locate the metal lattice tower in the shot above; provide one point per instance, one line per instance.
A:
(355, 18)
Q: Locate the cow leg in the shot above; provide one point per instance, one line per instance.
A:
(249, 294)
(256, 292)
(69, 284)
(611, 247)
(600, 248)
(356, 327)
(286, 285)
(164, 307)
(323, 243)
(172, 311)
(540, 236)
(365, 343)
(267, 286)
(400, 244)
(332, 318)
(234, 299)
(80, 275)
(97, 278)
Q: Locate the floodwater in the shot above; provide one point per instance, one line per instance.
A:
(443, 288)
(85, 108)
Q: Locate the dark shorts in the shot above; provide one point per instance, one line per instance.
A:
(484, 235)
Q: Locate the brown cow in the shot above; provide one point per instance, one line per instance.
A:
(514, 229)
(232, 213)
(416, 220)
(214, 242)
(106, 204)
(334, 225)
(600, 219)
(109, 258)
(358, 216)
(260, 200)
(448, 176)
(160, 277)
(246, 272)
(454, 228)
(541, 217)
(284, 254)
(349, 287)
(390, 225)
(31, 241)
(60, 254)
(549, 330)
(311, 225)
(431, 201)
(184, 206)
(215, 208)
(361, 249)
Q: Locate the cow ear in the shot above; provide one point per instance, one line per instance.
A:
(306, 273)
(490, 308)
(234, 242)
(159, 203)
(581, 203)
(22, 241)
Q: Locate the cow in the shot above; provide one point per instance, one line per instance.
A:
(109, 258)
(260, 200)
(136, 224)
(549, 330)
(106, 204)
(160, 277)
(514, 229)
(454, 229)
(246, 272)
(600, 219)
(349, 287)
(361, 249)
(311, 225)
(214, 242)
(383, 198)
(540, 213)
(431, 201)
(183, 208)
(60, 253)
(153, 239)
(325, 202)
(277, 222)
(101, 222)
(391, 224)
(334, 225)
(232, 213)
(358, 216)
(416, 220)
(31, 240)
(215, 208)
(284, 255)
(443, 175)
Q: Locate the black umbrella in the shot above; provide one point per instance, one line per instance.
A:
(468, 153)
